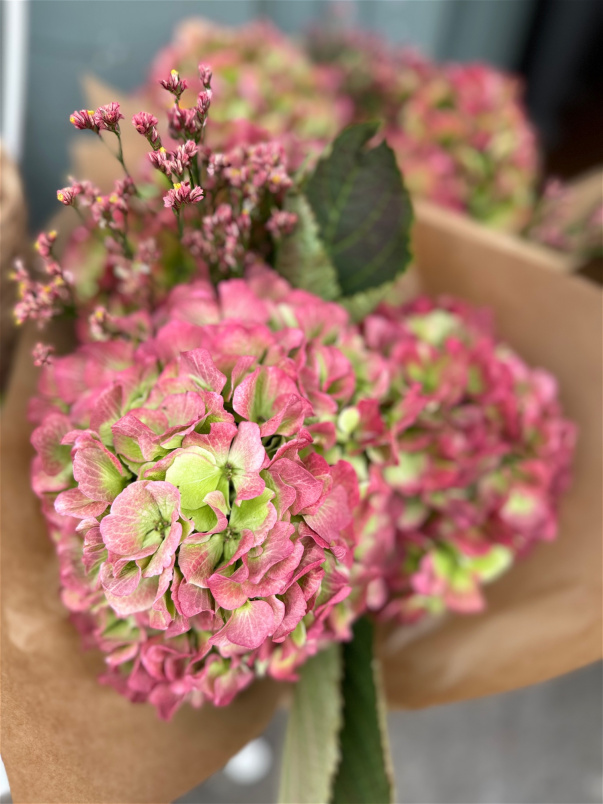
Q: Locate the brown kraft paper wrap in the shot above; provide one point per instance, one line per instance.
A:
(65, 738)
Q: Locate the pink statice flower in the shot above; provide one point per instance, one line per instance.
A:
(107, 117)
(42, 354)
(220, 212)
(40, 301)
(203, 539)
(182, 193)
(84, 119)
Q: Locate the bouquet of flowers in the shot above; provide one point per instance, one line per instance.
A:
(249, 459)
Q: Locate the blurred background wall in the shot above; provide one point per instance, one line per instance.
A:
(49, 45)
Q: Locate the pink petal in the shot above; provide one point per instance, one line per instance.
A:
(183, 409)
(107, 410)
(99, 474)
(307, 488)
(198, 560)
(332, 516)
(247, 455)
(239, 301)
(217, 441)
(121, 578)
(134, 439)
(47, 439)
(229, 592)
(192, 599)
(295, 610)
(140, 600)
(248, 626)
(198, 364)
(177, 337)
(276, 548)
(73, 503)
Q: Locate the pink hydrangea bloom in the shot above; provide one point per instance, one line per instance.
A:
(468, 456)
(202, 538)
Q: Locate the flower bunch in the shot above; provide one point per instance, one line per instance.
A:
(262, 80)
(468, 454)
(228, 493)
(459, 131)
(231, 471)
(203, 540)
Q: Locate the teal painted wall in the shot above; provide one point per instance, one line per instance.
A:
(116, 40)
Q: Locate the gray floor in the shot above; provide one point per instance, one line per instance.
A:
(541, 745)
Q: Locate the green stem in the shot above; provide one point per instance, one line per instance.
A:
(178, 215)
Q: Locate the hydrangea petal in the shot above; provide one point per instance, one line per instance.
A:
(248, 625)
(98, 472)
(198, 364)
(73, 503)
(47, 441)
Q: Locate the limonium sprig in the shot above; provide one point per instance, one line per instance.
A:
(138, 241)
(40, 301)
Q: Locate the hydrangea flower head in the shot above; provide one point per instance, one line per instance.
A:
(467, 459)
(203, 539)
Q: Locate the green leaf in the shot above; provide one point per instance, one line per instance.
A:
(362, 209)
(364, 775)
(301, 257)
(311, 753)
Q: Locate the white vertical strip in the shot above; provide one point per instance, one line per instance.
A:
(14, 71)
(4, 787)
